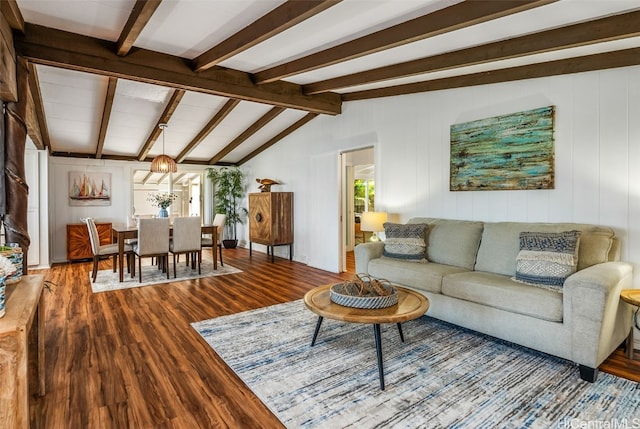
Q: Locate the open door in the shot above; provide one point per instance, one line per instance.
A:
(358, 195)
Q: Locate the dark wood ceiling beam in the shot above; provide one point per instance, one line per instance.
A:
(278, 20)
(106, 115)
(37, 121)
(12, 14)
(138, 19)
(206, 130)
(175, 99)
(602, 30)
(290, 129)
(56, 48)
(452, 18)
(608, 60)
(254, 128)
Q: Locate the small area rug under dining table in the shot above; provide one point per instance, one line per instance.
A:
(107, 280)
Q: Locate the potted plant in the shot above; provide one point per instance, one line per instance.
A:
(229, 191)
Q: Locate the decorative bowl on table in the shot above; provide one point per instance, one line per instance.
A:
(364, 292)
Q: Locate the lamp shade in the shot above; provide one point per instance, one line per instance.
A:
(373, 221)
(163, 164)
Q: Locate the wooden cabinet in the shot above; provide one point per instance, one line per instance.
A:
(78, 242)
(271, 220)
(22, 345)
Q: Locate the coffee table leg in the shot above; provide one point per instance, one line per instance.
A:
(400, 330)
(315, 334)
(376, 333)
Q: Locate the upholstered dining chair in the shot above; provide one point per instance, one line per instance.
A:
(186, 239)
(219, 221)
(153, 242)
(104, 249)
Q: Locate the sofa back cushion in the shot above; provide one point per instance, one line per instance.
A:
(452, 242)
(501, 243)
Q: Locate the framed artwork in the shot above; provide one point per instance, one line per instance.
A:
(89, 189)
(507, 152)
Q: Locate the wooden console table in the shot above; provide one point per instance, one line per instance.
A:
(24, 320)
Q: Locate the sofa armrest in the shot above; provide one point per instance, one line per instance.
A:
(598, 320)
(365, 252)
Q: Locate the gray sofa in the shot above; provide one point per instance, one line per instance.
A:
(468, 281)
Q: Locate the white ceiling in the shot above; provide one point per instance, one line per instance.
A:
(73, 101)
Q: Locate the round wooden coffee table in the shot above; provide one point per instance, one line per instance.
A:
(411, 305)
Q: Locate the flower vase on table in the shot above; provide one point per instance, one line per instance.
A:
(162, 200)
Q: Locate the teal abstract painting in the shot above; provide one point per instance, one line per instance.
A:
(505, 152)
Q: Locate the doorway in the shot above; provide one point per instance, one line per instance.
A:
(358, 196)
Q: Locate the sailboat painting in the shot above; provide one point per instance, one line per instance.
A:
(89, 189)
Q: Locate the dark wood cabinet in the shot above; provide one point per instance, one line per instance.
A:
(271, 220)
(78, 242)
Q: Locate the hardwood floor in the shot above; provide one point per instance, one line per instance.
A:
(130, 359)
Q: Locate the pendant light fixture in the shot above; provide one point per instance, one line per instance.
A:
(163, 163)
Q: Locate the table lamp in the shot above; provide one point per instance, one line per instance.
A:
(373, 222)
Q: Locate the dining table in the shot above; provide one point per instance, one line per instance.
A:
(121, 233)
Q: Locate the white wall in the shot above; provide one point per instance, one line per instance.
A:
(597, 149)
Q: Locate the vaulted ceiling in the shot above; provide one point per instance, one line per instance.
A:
(233, 77)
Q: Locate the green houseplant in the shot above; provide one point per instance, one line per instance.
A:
(229, 189)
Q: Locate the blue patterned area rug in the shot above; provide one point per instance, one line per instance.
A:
(441, 377)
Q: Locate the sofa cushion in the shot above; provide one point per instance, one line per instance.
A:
(406, 242)
(426, 276)
(546, 259)
(500, 244)
(452, 242)
(498, 291)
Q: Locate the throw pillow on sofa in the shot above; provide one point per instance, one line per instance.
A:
(406, 242)
(546, 259)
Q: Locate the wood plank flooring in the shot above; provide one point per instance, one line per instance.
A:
(130, 359)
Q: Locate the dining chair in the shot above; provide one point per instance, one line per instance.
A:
(101, 250)
(219, 221)
(153, 242)
(186, 239)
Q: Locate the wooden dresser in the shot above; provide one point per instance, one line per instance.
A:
(78, 243)
(271, 220)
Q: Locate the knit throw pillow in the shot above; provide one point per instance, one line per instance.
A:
(547, 259)
(406, 242)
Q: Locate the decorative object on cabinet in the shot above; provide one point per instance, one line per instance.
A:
(271, 220)
(89, 189)
(229, 191)
(79, 243)
(507, 152)
(265, 184)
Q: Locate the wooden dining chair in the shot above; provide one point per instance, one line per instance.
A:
(219, 221)
(186, 239)
(153, 242)
(101, 250)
